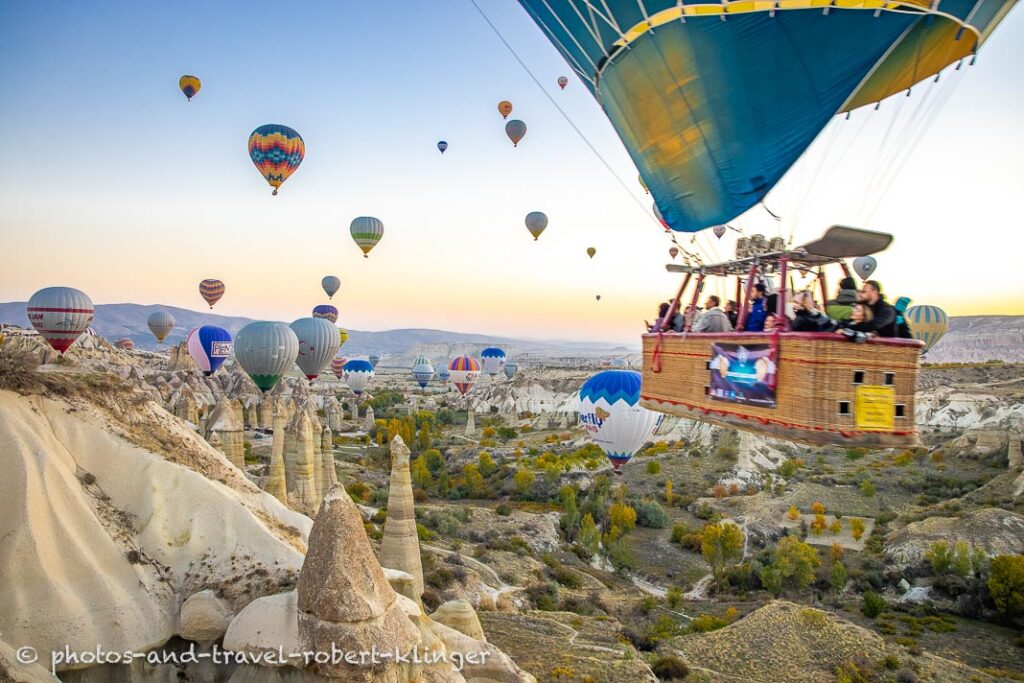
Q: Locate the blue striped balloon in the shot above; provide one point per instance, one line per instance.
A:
(927, 324)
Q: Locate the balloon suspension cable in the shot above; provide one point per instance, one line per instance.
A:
(770, 212)
(560, 110)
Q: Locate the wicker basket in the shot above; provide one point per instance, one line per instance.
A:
(821, 381)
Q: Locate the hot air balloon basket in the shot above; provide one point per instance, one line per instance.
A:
(811, 388)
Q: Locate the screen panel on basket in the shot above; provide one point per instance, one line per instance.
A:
(743, 373)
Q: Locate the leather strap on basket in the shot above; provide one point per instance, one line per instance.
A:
(656, 356)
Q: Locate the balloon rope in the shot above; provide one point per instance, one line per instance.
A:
(562, 112)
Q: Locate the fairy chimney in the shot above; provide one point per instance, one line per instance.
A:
(277, 483)
(223, 423)
(400, 547)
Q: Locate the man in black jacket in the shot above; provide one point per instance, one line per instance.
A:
(884, 318)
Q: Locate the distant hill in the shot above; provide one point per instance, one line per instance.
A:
(128, 321)
(979, 338)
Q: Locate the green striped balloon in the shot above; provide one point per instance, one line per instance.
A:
(367, 232)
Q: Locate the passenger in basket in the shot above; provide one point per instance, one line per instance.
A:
(807, 317)
(713, 319)
(732, 312)
(860, 326)
(757, 313)
(883, 314)
(662, 312)
(841, 307)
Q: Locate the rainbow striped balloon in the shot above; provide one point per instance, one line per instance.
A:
(927, 324)
(277, 151)
(211, 290)
(464, 370)
(338, 365)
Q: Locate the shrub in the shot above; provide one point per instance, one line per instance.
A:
(940, 557)
(857, 528)
(523, 482)
(651, 515)
(835, 527)
(424, 533)
(544, 596)
(867, 488)
(622, 516)
(503, 509)
(707, 622)
(653, 467)
(718, 491)
(793, 514)
(1006, 584)
(817, 508)
(670, 668)
(674, 597)
(789, 468)
(872, 604)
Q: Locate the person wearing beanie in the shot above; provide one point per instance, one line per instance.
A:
(841, 308)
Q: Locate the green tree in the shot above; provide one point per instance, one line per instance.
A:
(570, 513)
(867, 488)
(872, 605)
(424, 440)
(796, 562)
(523, 482)
(837, 576)
(721, 544)
(486, 464)
(771, 579)
(421, 476)
(940, 556)
(472, 481)
(962, 559)
(588, 540)
(668, 493)
(1006, 584)
(653, 467)
(434, 461)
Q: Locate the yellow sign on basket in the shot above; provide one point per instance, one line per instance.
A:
(875, 408)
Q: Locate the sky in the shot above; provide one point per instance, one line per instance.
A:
(113, 183)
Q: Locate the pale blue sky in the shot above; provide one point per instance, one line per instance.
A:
(113, 183)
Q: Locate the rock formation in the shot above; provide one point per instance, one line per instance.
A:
(345, 600)
(459, 615)
(470, 423)
(204, 617)
(400, 547)
(185, 405)
(328, 475)
(369, 422)
(277, 482)
(223, 422)
(299, 449)
(333, 414)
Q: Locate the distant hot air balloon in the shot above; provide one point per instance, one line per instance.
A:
(927, 324)
(422, 371)
(620, 363)
(515, 130)
(211, 291)
(719, 230)
(209, 347)
(673, 252)
(442, 145)
(318, 342)
(695, 90)
(510, 369)
(160, 324)
(444, 374)
(611, 414)
(598, 297)
(357, 375)
(463, 371)
(864, 266)
(190, 85)
(125, 344)
(504, 108)
(266, 351)
(562, 82)
(643, 184)
(343, 336)
(536, 222)
(326, 311)
(374, 359)
(367, 231)
(60, 315)
(276, 151)
(591, 251)
(338, 365)
(492, 359)
(331, 285)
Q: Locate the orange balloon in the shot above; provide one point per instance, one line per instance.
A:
(504, 108)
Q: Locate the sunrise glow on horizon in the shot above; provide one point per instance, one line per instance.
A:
(127, 191)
